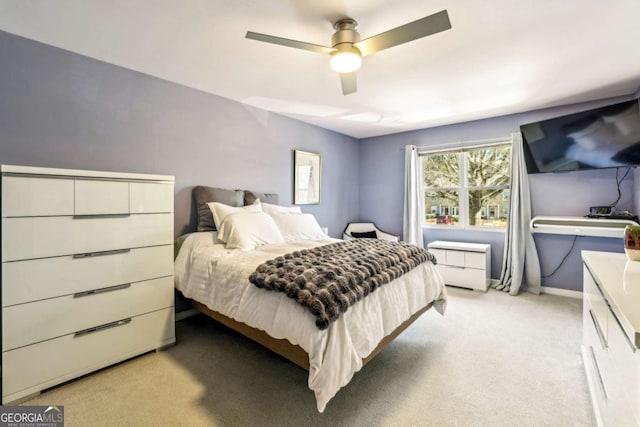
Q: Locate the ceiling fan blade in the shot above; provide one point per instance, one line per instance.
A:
(288, 42)
(405, 33)
(349, 83)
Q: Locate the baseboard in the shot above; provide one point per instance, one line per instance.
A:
(561, 292)
(181, 315)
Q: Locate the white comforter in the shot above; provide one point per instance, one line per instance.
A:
(207, 272)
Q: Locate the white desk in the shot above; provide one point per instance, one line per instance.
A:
(580, 226)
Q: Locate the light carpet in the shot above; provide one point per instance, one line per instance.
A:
(492, 360)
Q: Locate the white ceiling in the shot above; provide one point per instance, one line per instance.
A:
(500, 57)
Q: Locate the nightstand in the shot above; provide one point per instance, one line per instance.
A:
(467, 265)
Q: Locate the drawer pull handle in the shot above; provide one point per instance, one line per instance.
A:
(98, 216)
(597, 369)
(101, 290)
(101, 253)
(624, 334)
(603, 341)
(102, 327)
(456, 266)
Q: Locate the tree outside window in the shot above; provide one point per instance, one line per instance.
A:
(468, 187)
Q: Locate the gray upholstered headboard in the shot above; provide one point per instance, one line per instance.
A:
(203, 195)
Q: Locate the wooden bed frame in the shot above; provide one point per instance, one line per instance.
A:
(283, 347)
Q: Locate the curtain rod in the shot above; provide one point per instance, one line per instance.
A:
(450, 146)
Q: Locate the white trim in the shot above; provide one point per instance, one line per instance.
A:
(463, 191)
(31, 170)
(461, 145)
(444, 227)
(561, 292)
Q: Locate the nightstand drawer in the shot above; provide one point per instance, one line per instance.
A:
(36, 279)
(35, 367)
(440, 254)
(33, 322)
(475, 260)
(455, 258)
(463, 276)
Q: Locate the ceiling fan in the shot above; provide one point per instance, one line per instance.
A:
(347, 50)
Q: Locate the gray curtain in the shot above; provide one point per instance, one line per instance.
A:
(520, 264)
(413, 217)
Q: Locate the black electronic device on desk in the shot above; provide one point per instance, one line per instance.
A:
(609, 213)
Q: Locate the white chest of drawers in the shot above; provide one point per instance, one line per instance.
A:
(467, 265)
(87, 272)
(611, 337)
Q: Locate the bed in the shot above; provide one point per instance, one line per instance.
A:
(215, 277)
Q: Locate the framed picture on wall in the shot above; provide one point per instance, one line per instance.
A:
(307, 173)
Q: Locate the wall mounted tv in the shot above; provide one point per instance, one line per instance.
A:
(605, 137)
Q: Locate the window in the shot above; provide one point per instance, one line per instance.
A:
(469, 187)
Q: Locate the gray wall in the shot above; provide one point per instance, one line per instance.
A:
(381, 191)
(63, 110)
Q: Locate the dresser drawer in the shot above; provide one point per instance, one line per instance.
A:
(28, 238)
(33, 322)
(35, 367)
(148, 197)
(94, 197)
(597, 305)
(36, 279)
(622, 373)
(592, 359)
(26, 196)
(591, 336)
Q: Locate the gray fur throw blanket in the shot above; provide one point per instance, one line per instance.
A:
(331, 278)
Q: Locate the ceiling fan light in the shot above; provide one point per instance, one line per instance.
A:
(346, 61)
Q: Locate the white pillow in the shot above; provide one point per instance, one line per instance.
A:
(301, 226)
(275, 209)
(248, 230)
(220, 210)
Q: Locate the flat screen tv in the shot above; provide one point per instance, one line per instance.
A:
(606, 137)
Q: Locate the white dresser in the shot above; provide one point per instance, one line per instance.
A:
(611, 337)
(466, 265)
(87, 272)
